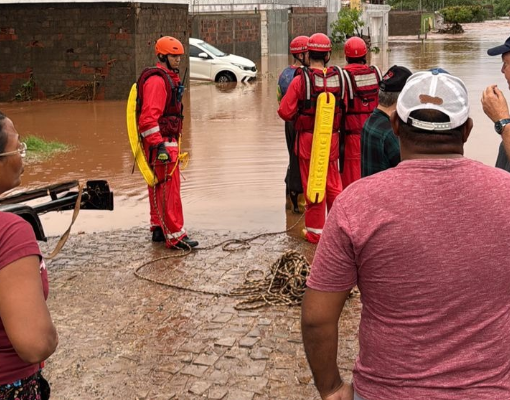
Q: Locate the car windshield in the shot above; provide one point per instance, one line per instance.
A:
(212, 49)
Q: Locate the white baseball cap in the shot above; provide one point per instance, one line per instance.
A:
(434, 90)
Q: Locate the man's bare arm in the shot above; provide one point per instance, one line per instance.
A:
(320, 313)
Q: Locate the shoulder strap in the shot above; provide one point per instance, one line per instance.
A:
(342, 80)
(349, 84)
(308, 88)
(379, 75)
(146, 74)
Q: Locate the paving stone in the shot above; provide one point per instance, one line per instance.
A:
(199, 388)
(264, 321)
(254, 333)
(247, 314)
(194, 370)
(170, 368)
(236, 394)
(204, 359)
(260, 353)
(248, 342)
(222, 318)
(219, 377)
(192, 346)
(226, 342)
(217, 393)
(254, 368)
(254, 384)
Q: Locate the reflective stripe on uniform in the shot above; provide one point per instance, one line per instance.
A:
(176, 235)
(171, 144)
(332, 81)
(150, 131)
(313, 230)
(366, 80)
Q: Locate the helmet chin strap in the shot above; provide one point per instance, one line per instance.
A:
(168, 63)
(164, 59)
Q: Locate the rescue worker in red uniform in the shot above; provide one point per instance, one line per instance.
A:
(362, 82)
(299, 107)
(299, 50)
(159, 124)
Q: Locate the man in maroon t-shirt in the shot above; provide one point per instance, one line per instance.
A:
(428, 245)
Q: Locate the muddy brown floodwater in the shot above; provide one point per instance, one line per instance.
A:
(234, 180)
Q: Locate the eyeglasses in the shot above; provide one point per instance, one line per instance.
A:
(22, 151)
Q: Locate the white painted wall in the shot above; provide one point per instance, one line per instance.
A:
(376, 17)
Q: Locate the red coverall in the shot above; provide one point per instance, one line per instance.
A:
(165, 197)
(315, 215)
(356, 116)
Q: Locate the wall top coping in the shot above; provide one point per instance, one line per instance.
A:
(199, 5)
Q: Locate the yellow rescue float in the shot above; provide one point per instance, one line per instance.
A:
(321, 144)
(136, 142)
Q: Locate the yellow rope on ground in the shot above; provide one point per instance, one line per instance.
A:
(284, 284)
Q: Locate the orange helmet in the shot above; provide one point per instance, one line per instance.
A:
(169, 45)
(299, 44)
(355, 47)
(319, 42)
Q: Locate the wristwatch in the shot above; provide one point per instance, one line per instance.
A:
(500, 125)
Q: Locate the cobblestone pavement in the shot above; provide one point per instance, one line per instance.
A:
(122, 337)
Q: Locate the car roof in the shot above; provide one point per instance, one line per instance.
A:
(195, 41)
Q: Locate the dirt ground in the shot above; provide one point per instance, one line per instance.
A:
(122, 337)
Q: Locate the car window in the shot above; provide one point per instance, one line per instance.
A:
(194, 51)
(212, 49)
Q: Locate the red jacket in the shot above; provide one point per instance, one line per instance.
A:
(288, 111)
(153, 106)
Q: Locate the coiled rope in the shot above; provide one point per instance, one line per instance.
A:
(283, 284)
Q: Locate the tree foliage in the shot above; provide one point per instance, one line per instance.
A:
(463, 14)
(501, 7)
(349, 23)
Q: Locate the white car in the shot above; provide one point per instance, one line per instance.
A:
(210, 64)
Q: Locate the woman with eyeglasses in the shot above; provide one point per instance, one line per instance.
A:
(27, 334)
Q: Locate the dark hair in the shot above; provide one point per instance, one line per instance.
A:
(3, 135)
(387, 99)
(299, 59)
(318, 55)
(433, 141)
(356, 60)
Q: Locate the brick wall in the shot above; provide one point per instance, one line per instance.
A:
(234, 33)
(154, 21)
(307, 21)
(82, 49)
(402, 23)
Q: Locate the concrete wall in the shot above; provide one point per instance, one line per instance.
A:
(82, 49)
(307, 21)
(402, 23)
(236, 33)
(277, 32)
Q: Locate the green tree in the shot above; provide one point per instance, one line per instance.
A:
(349, 23)
(501, 7)
(463, 14)
(454, 16)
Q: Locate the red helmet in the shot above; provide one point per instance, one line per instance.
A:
(355, 47)
(169, 45)
(319, 42)
(299, 44)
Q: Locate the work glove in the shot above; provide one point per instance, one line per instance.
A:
(162, 154)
